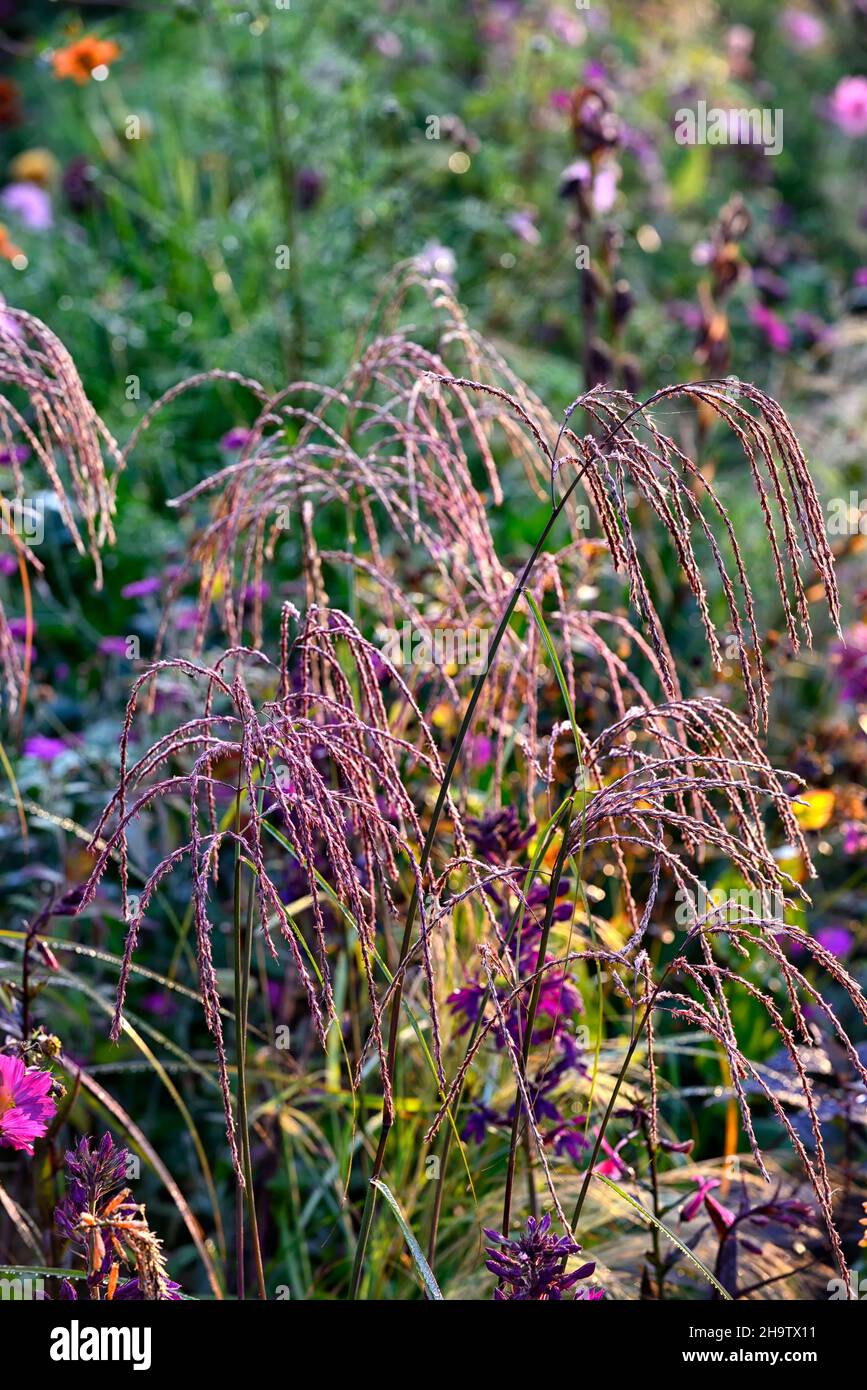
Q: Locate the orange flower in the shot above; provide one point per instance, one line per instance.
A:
(35, 166)
(80, 58)
(8, 249)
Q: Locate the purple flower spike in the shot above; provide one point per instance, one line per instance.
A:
(530, 1268)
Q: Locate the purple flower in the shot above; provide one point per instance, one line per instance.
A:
(775, 331)
(468, 1002)
(236, 439)
(723, 1218)
(30, 204)
(308, 188)
(568, 1139)
(836, 939)
(850, 662)
(260, 590)
(44, 748)
(480, 750)
(98, 1203)
(25, 1104)
(478, 1122)
(523, 226)
(112, 646)
(530, 1268)
(854, 837)
(498, 835)
(847, 106)
(19, 453)
(78, 184)
(434, 259)
(140, 588)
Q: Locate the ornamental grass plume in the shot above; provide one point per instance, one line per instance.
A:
(326, 745)
(392, 445)
(45, 415)
(319, 773)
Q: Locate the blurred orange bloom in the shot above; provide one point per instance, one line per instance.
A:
(80, 58)
(35, 166)
(8, 249)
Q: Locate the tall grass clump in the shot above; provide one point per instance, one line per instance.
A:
(459, 863)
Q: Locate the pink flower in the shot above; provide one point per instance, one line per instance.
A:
(567, 28)
(692, 1204)
(802, 29)
(847, 107)
(722, 1217)
(25, 1105)
(776, 332)
(612, 1166)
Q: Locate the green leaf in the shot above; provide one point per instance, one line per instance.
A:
(655, 1221)
(432, 1288)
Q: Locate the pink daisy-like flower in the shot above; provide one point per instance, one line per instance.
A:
(25, 1105)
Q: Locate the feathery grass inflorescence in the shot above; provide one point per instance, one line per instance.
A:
(326, 748)
(45, 412)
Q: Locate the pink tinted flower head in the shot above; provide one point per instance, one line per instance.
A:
(848, 106)
(25, 1105)
(802, 29)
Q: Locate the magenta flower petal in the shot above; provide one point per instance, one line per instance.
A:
(25, 1104)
